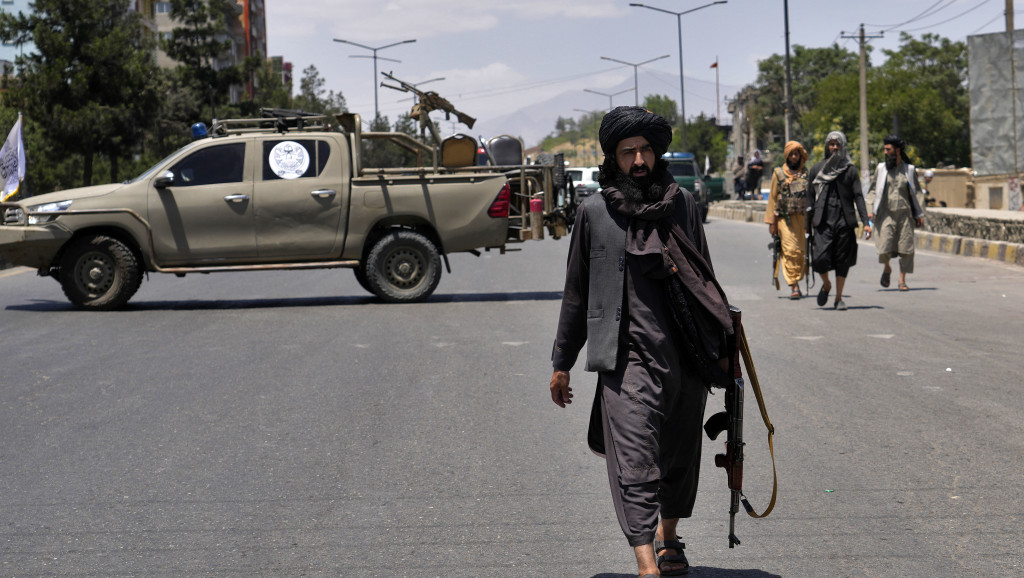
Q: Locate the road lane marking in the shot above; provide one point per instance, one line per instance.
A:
(13, 272)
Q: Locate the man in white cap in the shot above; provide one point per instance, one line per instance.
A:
(924, 198)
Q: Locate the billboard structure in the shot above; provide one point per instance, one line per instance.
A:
(995, 71)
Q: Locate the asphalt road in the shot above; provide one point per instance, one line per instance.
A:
(287, 424)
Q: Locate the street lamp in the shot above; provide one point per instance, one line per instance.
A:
(376, 110)
(608, 95)
(679, 21)
(636, 83)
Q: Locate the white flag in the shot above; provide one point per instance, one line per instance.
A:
(12, 162)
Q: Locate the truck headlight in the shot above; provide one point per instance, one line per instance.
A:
(47, 208)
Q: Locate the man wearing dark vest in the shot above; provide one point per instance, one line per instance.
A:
(641, 293)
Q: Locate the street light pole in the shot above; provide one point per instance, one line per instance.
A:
(608, 95)
(636, 77)
(376, 109)
(679, 22)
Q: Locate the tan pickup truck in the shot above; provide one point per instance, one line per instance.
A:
(279, 193)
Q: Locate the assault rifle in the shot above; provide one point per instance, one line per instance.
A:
(808, 258)
(428, 102)
(731, 422)
(775, 246)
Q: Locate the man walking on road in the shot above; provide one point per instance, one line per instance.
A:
(893, 201)
(835, 190)
(640, 291)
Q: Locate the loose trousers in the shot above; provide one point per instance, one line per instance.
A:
(652, 426)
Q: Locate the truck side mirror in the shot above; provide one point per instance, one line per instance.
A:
(165, 180)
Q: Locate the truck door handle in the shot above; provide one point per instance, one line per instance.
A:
(323, 193)
(236, 198)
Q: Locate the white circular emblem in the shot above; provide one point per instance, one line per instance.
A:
(289, 159)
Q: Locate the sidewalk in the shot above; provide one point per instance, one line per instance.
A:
(996, 235)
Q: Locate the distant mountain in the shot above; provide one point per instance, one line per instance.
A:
(536, 121)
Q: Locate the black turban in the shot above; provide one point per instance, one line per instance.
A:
(898, 143)
(628, 121)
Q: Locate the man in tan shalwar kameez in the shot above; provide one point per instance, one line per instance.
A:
(785, 214)
(895, 210)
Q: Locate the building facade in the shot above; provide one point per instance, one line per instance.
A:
(245, 29)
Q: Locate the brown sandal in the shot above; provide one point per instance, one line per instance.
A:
(903, 287)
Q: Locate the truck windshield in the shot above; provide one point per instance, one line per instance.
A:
(681, 169)
(150, 170)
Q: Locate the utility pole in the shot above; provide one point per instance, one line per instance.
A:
(1015, 180)
(789, 77)
(864, 170)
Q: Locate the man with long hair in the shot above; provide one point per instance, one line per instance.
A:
(893, 200)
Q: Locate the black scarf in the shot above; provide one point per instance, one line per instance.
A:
(664, 251)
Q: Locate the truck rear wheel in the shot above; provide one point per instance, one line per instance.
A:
(99, 273)
(403, 267)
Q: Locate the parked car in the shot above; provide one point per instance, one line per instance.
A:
(686, 172)
(584, 179)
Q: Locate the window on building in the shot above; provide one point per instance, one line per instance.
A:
(163, 7)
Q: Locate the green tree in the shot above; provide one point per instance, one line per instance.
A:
(707, 139)
(919, 92)
(270, 89)
(808, 67)
(205, 63)
(88, 86)
(663, 105)
(313, 97)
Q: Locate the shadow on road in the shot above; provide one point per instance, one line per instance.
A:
(707, 571)
(218, 304)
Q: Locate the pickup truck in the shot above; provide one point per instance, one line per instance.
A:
(684, 169)
(279, 193)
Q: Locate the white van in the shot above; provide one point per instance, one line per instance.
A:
(584, 179)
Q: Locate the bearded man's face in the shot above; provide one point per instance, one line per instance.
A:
(635, 157)
(892, 156)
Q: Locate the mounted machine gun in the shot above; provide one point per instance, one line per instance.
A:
(427, 102)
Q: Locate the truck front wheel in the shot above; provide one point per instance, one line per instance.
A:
(99, 273)
(403, 267)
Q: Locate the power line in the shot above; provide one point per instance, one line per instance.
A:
(964, 13)
(979, 29)
(927, 12)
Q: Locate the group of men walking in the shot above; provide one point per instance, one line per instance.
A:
(828, 198)
(642, 295)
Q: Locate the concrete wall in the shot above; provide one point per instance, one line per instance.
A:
(990, 234)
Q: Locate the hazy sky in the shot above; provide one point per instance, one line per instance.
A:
(499, 56)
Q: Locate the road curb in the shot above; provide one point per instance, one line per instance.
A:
(1002, 251)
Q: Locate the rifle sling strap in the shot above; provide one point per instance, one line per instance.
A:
(748, 363)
